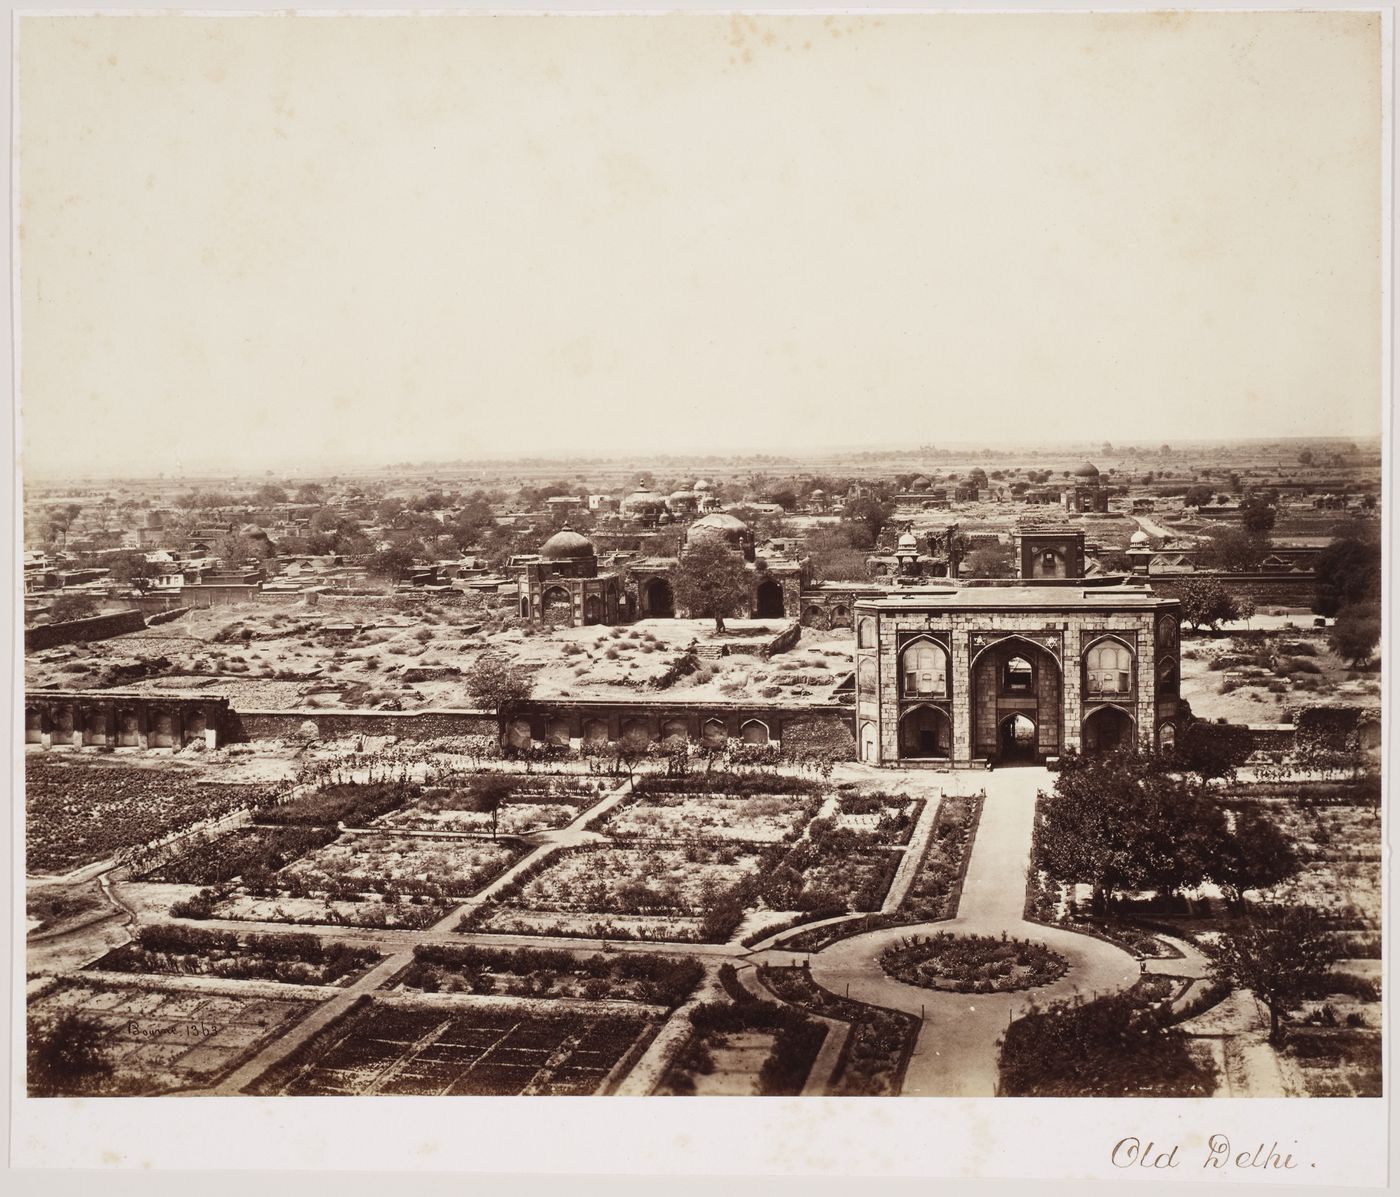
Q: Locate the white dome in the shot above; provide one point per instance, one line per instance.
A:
(1139, 537)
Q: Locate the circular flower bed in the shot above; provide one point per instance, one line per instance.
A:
(973, 963)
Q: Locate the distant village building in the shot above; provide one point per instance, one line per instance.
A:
(563, 507)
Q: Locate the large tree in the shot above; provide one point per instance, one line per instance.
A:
(1206, 603)
(1121, 821)
(395, 561)
(496, 683)
(1254, 855)
(57, 522)
(711, 581)
(1279, 954)
(270, 495)
(72, 606)
(131, 569)
(1356, 633)
(233, 549)
(834, 558)
(990, 561)
(1257, 515)
(1234, 550)
(1348, 572)
(65, 1056)
(870, 514)
(1213, 750)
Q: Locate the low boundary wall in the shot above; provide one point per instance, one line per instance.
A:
(71, 631)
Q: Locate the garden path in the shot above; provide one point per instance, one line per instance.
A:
(956, 1052)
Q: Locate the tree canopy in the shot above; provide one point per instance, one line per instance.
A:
(1120, 821)
(1212, 750)
(1356, 634)
(990, 561)
(833, 557)
(1206, 603)
(1255, 856)
(395, 561)
(1129, 821)
(1348, 573)
(65, 1056)
(872, 514)
(72, 606)
(711, 581)
(131, 569)
(1279, 954)
(495, 683)
(1235, 550)
(1258, 515)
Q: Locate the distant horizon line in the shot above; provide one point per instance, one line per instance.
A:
(638, 457)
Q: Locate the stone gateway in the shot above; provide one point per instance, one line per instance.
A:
(1007, 674)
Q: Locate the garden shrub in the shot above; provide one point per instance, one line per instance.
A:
(291, 958)
(1114, 1046)
(656, 980)
(351, 803)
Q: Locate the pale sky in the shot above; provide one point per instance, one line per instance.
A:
(246, 241)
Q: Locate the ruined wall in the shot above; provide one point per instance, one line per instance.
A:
(72, 631)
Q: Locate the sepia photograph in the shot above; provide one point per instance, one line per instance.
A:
(810, 554)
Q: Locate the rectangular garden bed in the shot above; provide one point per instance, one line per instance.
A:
(295, 959)
(362, 861)
(748, 818)
(547, 973)
(384, 1048)
(876, 1052)
(1336, 1061)
(161, 1041)
(244, 852)
(879, 818)
(78, 810)
(651, 891)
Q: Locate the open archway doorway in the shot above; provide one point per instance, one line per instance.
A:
(1016, 739)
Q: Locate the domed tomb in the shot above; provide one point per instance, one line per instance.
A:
(722, 526)
(567, 545)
